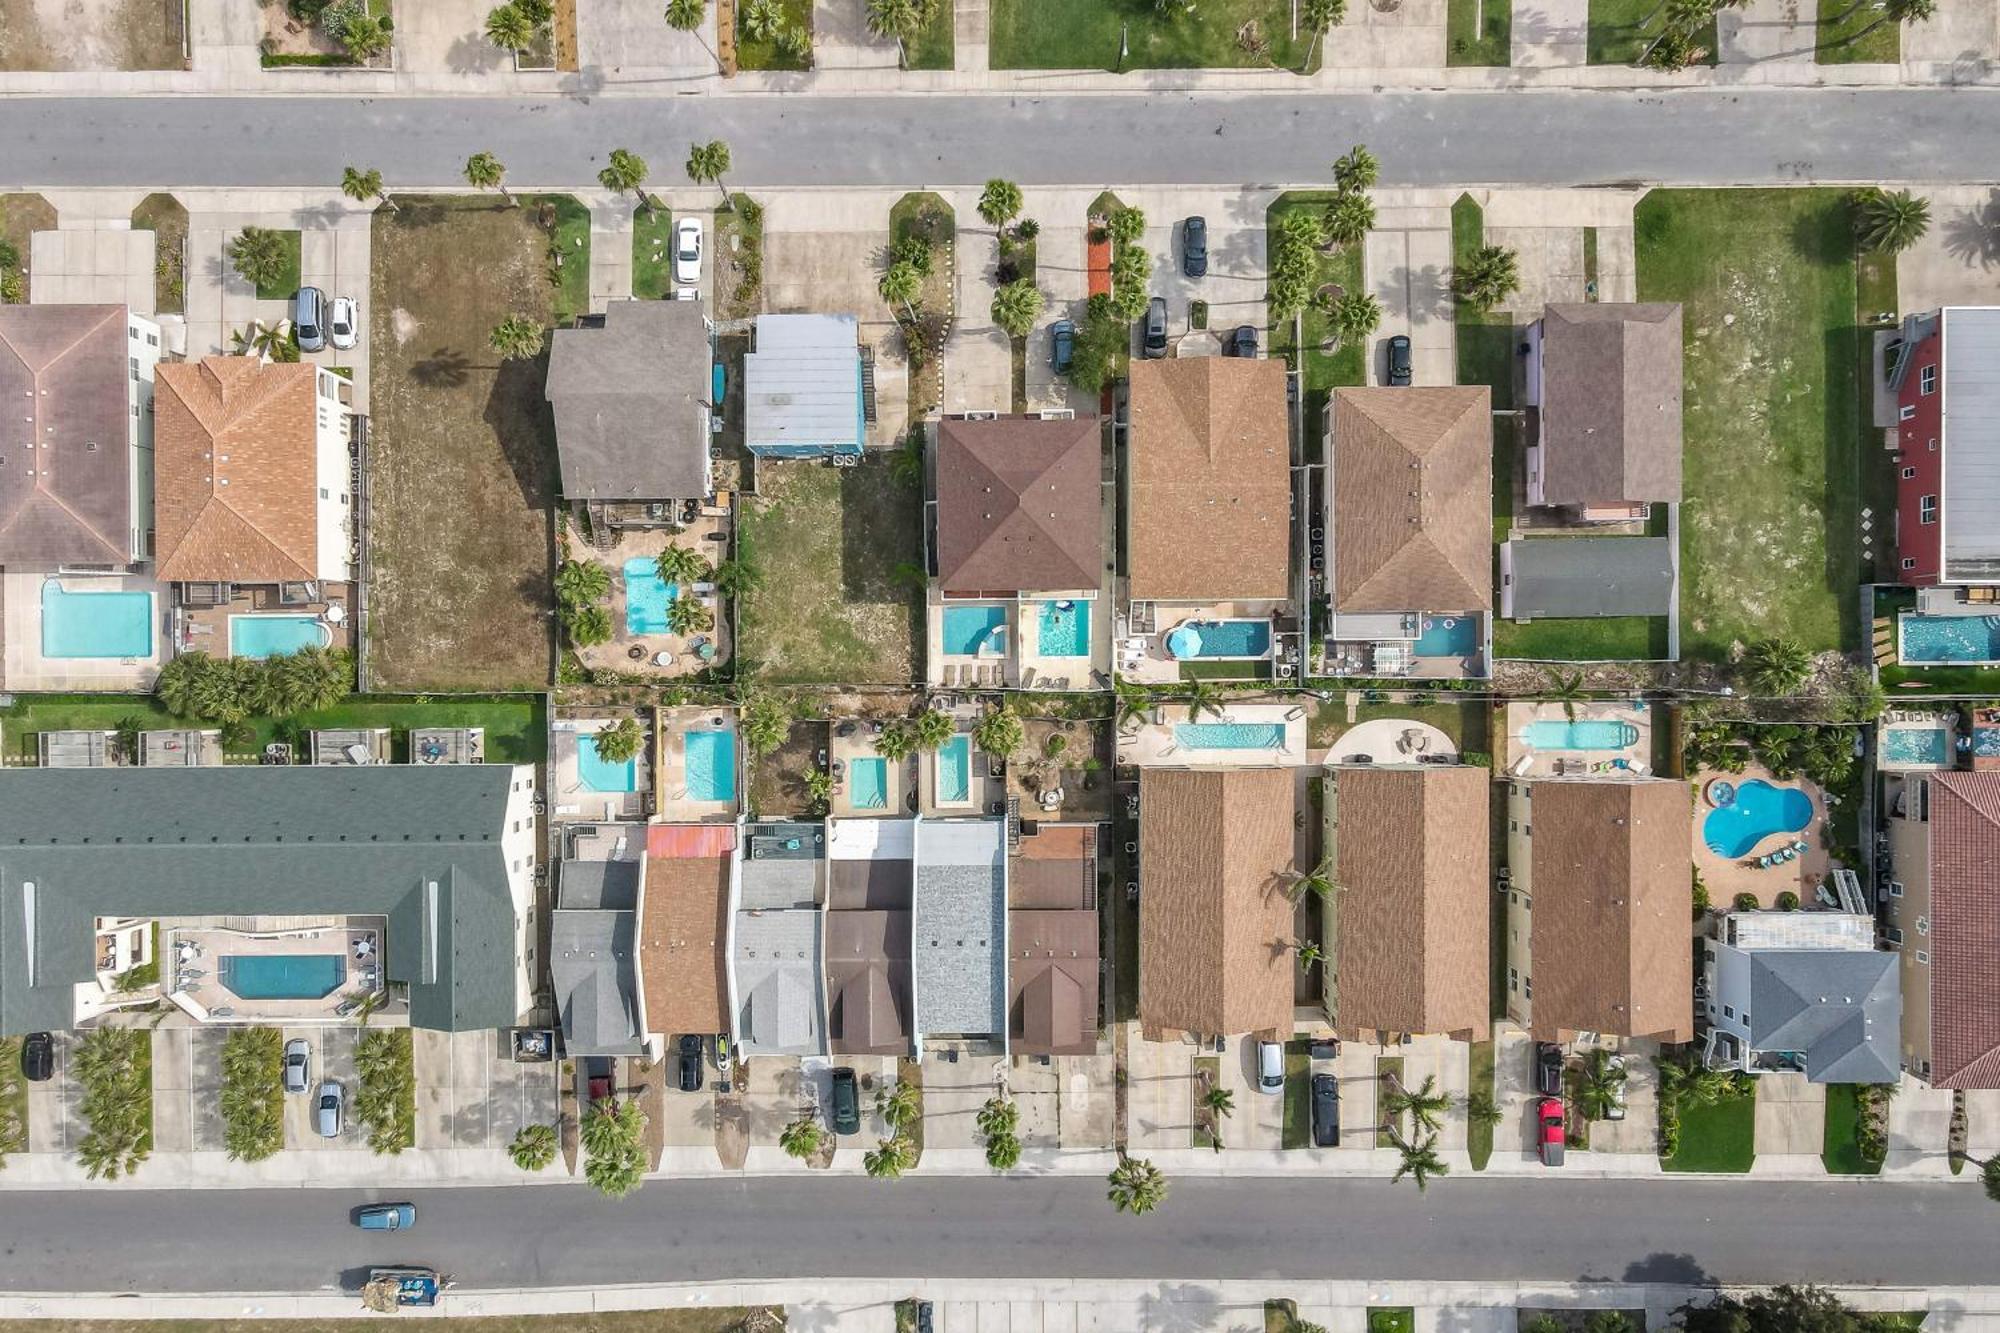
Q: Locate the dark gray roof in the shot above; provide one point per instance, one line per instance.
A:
(1611, 403)
(775, 873)
(1562, 577)
(611, 886)
(419, 846)
(64, 379)
(593, 967)
(1841, 1009)
(958, 926)
(630, 402)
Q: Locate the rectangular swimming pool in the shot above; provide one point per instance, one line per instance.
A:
(1550, 734)
(275, 636)
(967, 629)
(1948, 638)
(868, 784)
(282, 976)
(1447, 636)
(600, 774)
(1917, 745)
(711, 765)
(1220, 638)
(95, 624)
(954, 771)
(647, 596)
(1229, 735)
(1064, 630)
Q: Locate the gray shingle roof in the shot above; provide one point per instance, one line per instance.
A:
(1840, 1008)
(1562, 577)
(593, 966)
(419, 846)
(777, 982)
(1611, 402)
(631, 401)
(959, 944)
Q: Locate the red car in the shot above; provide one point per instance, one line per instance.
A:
(1551, 1138)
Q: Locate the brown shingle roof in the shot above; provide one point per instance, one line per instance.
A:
(1965, 930)
(1213, 919)
(1055, 869)
(1412, 499)
(1413, 899)
(235, 458)
(1020, 505)
(1611, 403)
(1052, 982)
(64, 381)
(1612, 950)
(1209, 480)
(684, 921)
(868, 982)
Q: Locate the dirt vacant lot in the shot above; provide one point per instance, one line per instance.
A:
(91, 34)
(462, 451)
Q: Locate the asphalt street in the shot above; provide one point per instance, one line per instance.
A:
(1523, 136)
(114, 1240)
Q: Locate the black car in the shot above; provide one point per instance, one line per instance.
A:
(1240, 341)
(1062, 346)
(1326, 1111)
(1194, 247)
(1548, 1069)
(1154, 344)
(38, 1057)
(846, 1102)
(1399, 361)
(690, 1063)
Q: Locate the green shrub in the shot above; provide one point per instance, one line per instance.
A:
(253, 1095)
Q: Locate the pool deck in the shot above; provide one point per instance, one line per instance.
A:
(860, 744)
(206, 628)
(615, 654)
(983, 789)
(1021, 664)
(670, 730)
(1514, 757)
(1905, 719)
(571, 801)
(360, 941)
(1144, 657)
(1152, 741)
(22, 666)
(1390, 740)
(1728, 876)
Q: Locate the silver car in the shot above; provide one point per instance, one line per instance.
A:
(298, 1064)
(329, 1109)
(309, 319)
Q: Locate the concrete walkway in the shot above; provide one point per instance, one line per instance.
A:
(970, 29)
(1551, 37)
(1768, 30)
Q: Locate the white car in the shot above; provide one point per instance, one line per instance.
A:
(340, 324)
(687, 251)
(298, 1064)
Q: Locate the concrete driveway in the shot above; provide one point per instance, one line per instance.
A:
(1259, 1117)
(471, 1093)
(1234, 285)
(1159, 1093)
(1406, 262)
(332, 1058)
(626, 39)
(1062, 272)
(1791, 1119)
(449, 37)
(978, 361)
(954, 1090)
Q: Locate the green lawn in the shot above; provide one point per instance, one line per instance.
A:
(13, 1099)
(1610, 639)
(288, 280)
(1479, 32)
(1621, 30)
(1323, 371)
(1721, 1136)
(1839, 1150)
(933, 47)
(1391, 1319)
(1772, 431)
(1487, 340)
(1207, 1074)
(1479, 1135)
(1387, 1067)
(1084, 34)
(652, 254)
(1464, 720)
(754, 54)
(1835, 35)
(1298, 1093)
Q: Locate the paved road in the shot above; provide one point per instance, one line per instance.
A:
(1669, 1230)
(1753, 136)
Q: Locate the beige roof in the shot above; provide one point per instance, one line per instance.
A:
(1020, 504)
(235, 458)
(1412, 499)
(65, 457)
(1613, 900)
(1209, 480)
(684, 916)
(1413, 899)
(1611, 403)
(1213, 917)
(1965, 930)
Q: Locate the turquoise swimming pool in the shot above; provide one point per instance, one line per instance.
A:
(1065, 628)
(275, 636)
(954, 770)
(868, 784)
(711, 765)
(1229, 735)
(281, 976)
(1916, 745)
(1948, 638)
(647, 596)
(599, 773)
(968, 629)
(1758, 811)
(1220, 638)
(95, 624)
(1594, 734)
(1447, 636)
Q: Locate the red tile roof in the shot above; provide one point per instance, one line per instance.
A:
(1965, 930)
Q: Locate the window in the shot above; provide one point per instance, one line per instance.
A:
(1729, 1011)
(324, 494)
(1927, 509)
(1907, 413)
(1513, 826)
(1527, 988)
(1934, 444)
(1895, 888)
(1527, 830)
(1922, 956)
(1908, 473)
(1909, 562)
(1927, 381)
(1513, 979)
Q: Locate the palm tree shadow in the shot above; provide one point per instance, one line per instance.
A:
(445, 368)
(1974, 235)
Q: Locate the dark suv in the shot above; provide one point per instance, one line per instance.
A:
(1548, 1069)
(1399, 361)
(1194, 247)
(846, 1102)
(1154, 344)
(690, 1063)
(1325, 1111)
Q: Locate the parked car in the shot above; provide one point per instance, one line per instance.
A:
(38, 1057)
(687, 251)
(298, 1064)
(1241, 341)
(1552, 1137)
(1548, 1069)
(1270, 1067)
(690, 1063)
(1399, 361)
(1326, 1111)
(1062, 346)
(1616, 1110)
(597, 1078)
(1194, 247)
(340, 322)
(309, 318)
(846, 1102)
(329, 1109)
(387, 1217)
(1154, 344)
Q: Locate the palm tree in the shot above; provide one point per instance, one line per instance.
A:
(901, 1105)
(762, 20)
(609, 1124)
(310, 679)
(1219, 1101)
(581, 582)
(1309, 953)
(534, 1147)
(619, 741)
(617, 1175)
(271, 342)
(361, 185)
(1565, 688)
(801, 1138)
(906, 465)
(734, 578)
(624, 173)
(1776, 666)
(1318, 17)
(1203, 697)
(895, 743)
(1135, 701)
(509, 28)
(1348, 219)
(1890, 221)
(900, 19)
(766, 723)
(1425, 1106)
(516, 338)
(1488, 276)
(999, 733)
(890, 1158)
(1000, 202)
(687, 16)
(997, 1116)
(260, 255)
(1356, 170)
(708, 163)
(1420, 1160)
(1353, 316)
(687, 615)
(932, 729)
(1003, 1152)
(483, 171)
(900, 285)
(1989, 1175)
(1017, 306)
(1897, 11)
(1481, 1109)
(182, 685)
(1317, 881)
(365, 38)
(1137, 1186)
(1599, 1086)
(682, 564)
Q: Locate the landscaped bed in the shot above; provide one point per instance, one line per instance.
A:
(1622, 30)
(461, 447)
(1323, 371)
(1085, 34)
(770, 53)
(167, 219)
(1842, 1152)
(1835, 36)
(1479, 32)
(652, 253)
(1717, 1136)
(21, 216)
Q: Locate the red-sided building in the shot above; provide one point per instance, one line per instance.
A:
(1948, 448)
